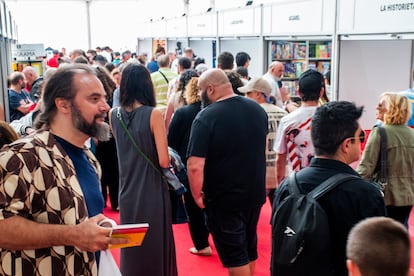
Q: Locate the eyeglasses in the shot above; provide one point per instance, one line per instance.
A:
(381, 106)
(361, 137)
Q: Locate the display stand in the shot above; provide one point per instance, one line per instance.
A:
(300, 55)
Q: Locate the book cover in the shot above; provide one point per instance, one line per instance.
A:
(286, 50)
(300, 68)
(277, 50)
(324, 67)
(322, 51)
(312, 50)
(299, 50)
(312, 65)
(135, 233)
(290, 70)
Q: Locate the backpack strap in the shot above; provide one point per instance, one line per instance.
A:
(331, 183)
(293, 184)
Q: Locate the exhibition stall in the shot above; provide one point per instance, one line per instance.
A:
(376, 52)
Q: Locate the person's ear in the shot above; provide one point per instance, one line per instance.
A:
(62, 105)
(345, 145)
(322, 92)
(353, 269)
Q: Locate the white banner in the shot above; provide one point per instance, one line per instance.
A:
(24, 52)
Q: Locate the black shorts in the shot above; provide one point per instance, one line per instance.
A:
(234, 234)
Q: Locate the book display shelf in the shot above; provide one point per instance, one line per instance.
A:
(300, 55)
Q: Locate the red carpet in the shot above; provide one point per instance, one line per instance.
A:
(189, 264)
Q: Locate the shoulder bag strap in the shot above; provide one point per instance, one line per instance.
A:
(331, 183)
(121, 120)
(162, 74)
(383, 155)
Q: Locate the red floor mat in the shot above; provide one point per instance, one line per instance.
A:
(189, 264)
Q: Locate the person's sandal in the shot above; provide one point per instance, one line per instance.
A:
(202, 252)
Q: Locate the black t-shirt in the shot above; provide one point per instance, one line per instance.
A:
(180, 126)
(345, 205)
(231, 136)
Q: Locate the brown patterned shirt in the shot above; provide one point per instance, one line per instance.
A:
(38, 182)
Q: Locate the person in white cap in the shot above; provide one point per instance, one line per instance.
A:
(259, 89)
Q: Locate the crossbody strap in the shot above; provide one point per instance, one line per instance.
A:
(121, 120)
(383, 155)
(162, 74)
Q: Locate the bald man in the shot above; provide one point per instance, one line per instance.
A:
(273, 75)
(227, 169)
(32, 77)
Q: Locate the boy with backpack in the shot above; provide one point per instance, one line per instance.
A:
(310, 226)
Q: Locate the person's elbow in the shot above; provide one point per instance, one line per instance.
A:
(194, 165)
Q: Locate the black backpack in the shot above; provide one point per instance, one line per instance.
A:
(301, 240)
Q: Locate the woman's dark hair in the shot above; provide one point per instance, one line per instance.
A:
(136, 85)
(60, 85)
(332, 123)
(242, 71)
(185, 77)
(235, 81)
(109, 66)
(198, 61)
(107, 81)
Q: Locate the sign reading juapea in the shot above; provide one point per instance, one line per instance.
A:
(24, 52)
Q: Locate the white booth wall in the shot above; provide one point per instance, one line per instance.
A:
(203, 48)
(369, 68)
(248, 45)
(145, 46)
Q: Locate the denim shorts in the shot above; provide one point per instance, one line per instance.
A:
(234, 234)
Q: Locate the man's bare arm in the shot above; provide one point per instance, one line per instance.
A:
(18, 233)
(281, 166)
(195, 170)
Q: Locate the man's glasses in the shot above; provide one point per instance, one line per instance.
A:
(361, 137)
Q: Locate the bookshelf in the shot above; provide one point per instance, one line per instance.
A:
(298, 56)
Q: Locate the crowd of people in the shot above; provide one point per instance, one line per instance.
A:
(99, 123)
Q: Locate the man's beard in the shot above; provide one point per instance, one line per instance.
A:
(205, 101)
(99, 131)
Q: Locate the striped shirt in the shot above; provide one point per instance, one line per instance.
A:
(160, 80)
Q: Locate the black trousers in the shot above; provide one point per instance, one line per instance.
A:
(197, 224)
(399, 213)
(107, 157)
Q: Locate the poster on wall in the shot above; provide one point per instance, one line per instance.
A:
(157, 44)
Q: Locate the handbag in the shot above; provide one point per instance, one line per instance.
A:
(380, 175)
(107, 265)
(176, 188)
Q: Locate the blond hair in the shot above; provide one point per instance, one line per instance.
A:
(191, 91)
(397, 108)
